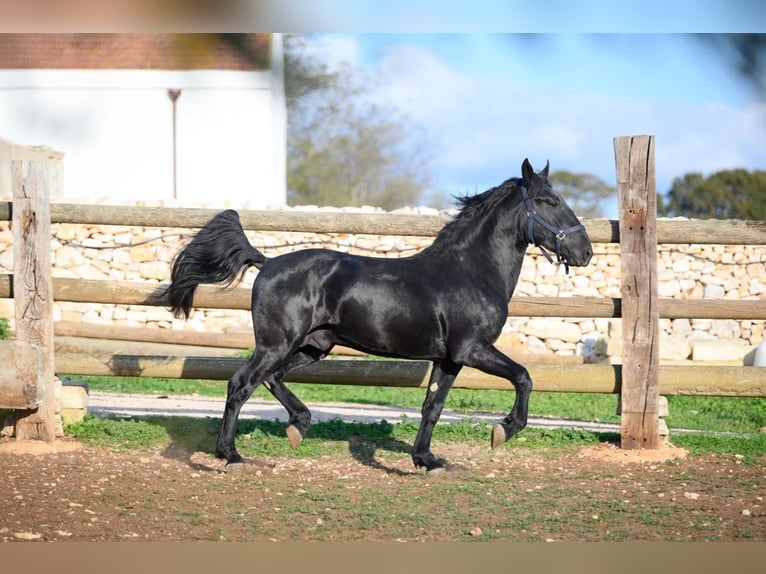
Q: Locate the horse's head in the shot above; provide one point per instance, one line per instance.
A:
(550, 222)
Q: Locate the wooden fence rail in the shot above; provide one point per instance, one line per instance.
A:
(669, 231)
(636, 228)
(675, 380)
(211, 297)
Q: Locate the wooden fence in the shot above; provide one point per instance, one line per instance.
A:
(639, 380)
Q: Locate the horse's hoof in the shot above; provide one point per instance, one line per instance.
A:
(294, 436)
(432, 464)
(498, 435)
(234, 467)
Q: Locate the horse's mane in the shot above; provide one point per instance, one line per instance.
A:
(474, 210)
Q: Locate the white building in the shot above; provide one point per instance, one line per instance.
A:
(105, 101)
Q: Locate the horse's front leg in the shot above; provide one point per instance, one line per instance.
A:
(493, 362)
(442, 376)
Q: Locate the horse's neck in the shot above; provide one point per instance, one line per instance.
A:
(508, 257)
(493, 253)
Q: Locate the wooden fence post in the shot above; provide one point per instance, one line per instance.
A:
(33, 289)
(634, 158)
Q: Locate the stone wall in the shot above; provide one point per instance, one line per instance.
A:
(684, 271)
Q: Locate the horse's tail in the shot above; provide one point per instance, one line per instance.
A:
(219, 253)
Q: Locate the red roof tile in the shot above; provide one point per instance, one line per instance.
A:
(135, 51)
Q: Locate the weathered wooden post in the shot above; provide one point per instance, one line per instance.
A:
(634, 158)
(33, 290)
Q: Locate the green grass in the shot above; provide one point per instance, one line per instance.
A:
(749, 448)
(741, 415)
(152, 386)
(267, 438)
(5, 328)
(120, 433)
(719, 414)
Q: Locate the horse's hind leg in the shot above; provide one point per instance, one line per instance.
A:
(241, 385)
(442, 376)
(300, 416)
(493, 362)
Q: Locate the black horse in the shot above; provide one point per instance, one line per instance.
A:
(447, 304)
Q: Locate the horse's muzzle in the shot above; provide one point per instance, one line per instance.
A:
(578, 255)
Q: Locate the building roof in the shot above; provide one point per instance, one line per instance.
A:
(135, 51)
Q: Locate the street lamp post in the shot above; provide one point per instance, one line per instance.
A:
(174, 95)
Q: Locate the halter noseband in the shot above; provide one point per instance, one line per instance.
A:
(560, 234)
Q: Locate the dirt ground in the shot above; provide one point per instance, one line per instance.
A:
(67, 491)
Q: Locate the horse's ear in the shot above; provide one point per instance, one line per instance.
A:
(527, 171)
(544, 172)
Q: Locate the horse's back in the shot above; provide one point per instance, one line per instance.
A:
(341, 269)
(377, 304)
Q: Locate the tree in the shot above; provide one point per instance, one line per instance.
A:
(343, 149)
(728, 194)
(304, 74)
(746, 55)
(583, 192)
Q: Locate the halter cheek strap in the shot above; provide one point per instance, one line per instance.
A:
(560, 234)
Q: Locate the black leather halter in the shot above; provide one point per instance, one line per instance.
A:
(560, 234)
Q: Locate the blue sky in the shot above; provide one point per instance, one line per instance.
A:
(509, 16)
(491, 100)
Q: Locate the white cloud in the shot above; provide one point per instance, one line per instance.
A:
(486, 125)
(478, 121)
(417, 80)
(333, 50)
(713, 137)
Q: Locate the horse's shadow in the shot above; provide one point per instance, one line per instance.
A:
(192, 441)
